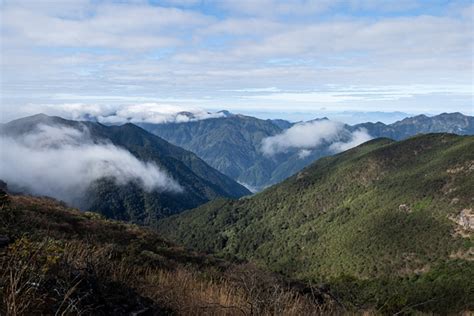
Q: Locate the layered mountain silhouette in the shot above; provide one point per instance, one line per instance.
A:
(198, 182)
(456, 123)
(233, 143)
(385, 226)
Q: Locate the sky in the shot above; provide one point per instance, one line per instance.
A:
(293, 59)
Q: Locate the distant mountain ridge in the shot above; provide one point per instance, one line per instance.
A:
(456, 123)
(130, 202)
(232, 144)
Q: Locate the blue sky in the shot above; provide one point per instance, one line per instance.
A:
(292, 59)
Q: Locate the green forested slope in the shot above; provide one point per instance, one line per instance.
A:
(55, 260)
(382, 212)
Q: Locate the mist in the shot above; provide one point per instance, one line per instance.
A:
(310, 135)
(62, 162)
(155, 113)
(357, 137)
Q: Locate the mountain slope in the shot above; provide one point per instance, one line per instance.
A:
(57, 260)
(199, 182)
(381, 210)
(232, 144)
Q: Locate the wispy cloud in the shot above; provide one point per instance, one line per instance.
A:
(356, 138)
(118, 114)
(62, 162)
(333, 94)
(240, 54)
(311, 135)
(268, 89)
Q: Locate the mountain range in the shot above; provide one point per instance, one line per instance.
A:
(233, 143)
(385, 226)
(130, 201)
(386, 222)
(455, 123)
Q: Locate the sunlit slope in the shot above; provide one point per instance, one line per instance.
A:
(383, 208)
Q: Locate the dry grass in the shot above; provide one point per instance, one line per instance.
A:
(64, 262)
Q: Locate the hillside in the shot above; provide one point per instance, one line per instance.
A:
(386, 222)
(233, 144)
(230, 144)
(55, 260)
(130, 201)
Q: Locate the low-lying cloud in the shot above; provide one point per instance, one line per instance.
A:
(62, 162)
(307, 136)
(357, 137)
(156, 113)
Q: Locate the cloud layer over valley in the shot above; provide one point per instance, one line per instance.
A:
(310, 135)
(62, 162)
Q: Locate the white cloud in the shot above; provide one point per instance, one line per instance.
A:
(122, 26)
(156, 113)
(268, 89)
(159, 113)
(363, 93)
(357, 137)
(62, 162)
(310, 135)
(155, 51)
(302, 136)
(303, 153)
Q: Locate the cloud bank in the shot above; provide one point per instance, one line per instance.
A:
(310, 135)
(247, 54)
(155, 113)
(62, 162)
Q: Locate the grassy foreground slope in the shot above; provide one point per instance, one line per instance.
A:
(386, 222)
(59, 261)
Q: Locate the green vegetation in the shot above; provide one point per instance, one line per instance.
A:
(200, 182)
(59, 261)
(376, 223)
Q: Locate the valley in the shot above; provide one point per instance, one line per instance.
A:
(384, 226)
(236, 157)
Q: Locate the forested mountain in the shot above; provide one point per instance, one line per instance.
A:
(230, 144)
(233, 144)
(388, 222)
(186, 180)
